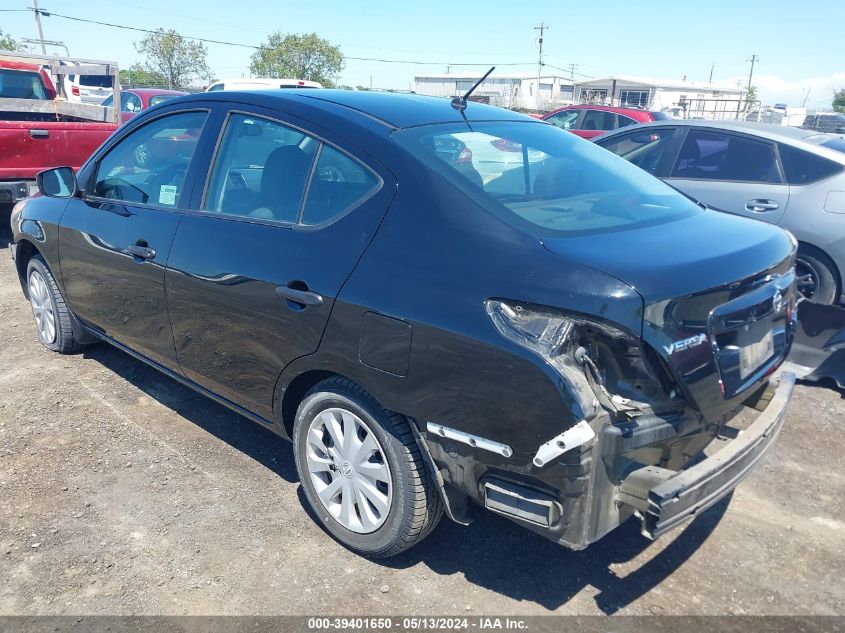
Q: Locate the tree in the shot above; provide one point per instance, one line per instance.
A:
(138, 76)
(177, 59)
(839, 100)
(298, 56)
(9, 43)
(751, 97)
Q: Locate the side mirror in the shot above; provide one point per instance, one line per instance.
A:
(57, 183)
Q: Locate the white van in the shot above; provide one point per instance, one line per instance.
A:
(255, 83)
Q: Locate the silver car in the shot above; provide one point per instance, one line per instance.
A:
(782, 175)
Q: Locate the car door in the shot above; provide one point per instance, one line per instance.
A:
(595, 123)
(255, 270)
(115, 238)
(731, 172)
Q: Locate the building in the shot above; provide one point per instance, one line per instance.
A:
(515, 91)
(682, 98)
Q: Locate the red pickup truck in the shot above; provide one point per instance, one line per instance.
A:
(35, 139)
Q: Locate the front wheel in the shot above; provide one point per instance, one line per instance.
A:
(362, 471)
(52, 316)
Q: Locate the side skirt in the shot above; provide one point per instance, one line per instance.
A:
(185, 381)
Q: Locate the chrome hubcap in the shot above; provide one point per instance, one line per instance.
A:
(349, 471)
(42, 308)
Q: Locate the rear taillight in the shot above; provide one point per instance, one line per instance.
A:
(74, 91)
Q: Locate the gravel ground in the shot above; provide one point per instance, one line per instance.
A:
(122, 492)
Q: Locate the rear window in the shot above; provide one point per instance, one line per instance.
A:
(837, 143)
(95, 81)
(545, 180)
(803, 167)
(16, 84)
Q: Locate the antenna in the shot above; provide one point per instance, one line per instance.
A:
(460, 103)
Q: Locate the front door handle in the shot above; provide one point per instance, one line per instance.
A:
(301, 295)
(759, 206)
(141, 252)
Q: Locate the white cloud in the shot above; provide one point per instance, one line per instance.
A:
(773, 89)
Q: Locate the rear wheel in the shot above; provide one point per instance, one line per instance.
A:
(52, 316)
(362, 471)
(817, 280)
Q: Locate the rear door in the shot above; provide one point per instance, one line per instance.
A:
(595, 122)
(115, 240)
(731, 172)
(255, 270)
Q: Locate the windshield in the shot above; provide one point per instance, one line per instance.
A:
(547, 180)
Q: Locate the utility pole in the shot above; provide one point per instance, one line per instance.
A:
(542, 28)
(572, 68)
(711, 72)
(754, 59)
(806, 96)
(38, 25)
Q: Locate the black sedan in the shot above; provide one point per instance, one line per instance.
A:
(440, 303)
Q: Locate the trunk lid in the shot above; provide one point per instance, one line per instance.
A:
(718, 293)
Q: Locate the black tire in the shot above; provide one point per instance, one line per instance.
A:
(64, 341)
(416, 506)
(817, 278)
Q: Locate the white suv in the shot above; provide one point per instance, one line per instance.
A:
(255, 83)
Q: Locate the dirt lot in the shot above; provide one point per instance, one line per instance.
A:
(124, 492)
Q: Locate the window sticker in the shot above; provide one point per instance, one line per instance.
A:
(167, 194)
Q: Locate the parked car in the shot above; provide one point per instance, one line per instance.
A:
(88, 88)
(134, 100)
(556, 340)
(589, 121)
(257, 83)
(765, 172)
(33, 140)
(833, 122)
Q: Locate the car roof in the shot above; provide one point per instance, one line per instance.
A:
(779, 133)
(396, 110)
(10, 65)
(635, 113)
(152, 92)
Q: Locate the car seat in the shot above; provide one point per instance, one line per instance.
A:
(282, 184)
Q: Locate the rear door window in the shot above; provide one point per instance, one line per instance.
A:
(149, 165)
(802, 167)
(598, 120)
(715, 155)
(261, 170)
(647, 149)
(269, 171)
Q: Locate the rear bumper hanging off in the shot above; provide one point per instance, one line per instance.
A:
(665, 498)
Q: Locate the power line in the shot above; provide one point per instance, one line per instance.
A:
(254, 47)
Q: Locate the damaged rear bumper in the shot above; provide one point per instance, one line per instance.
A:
(664, 498)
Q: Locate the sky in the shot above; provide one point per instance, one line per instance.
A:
(800, 46)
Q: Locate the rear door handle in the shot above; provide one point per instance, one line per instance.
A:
(304, 298)
(759, 206)
(39, 133)
(142, 252)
